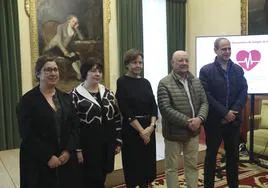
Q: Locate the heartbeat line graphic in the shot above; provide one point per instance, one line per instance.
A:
(248, 60)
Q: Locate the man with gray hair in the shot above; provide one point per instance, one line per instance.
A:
(226, 90)
(183, 105)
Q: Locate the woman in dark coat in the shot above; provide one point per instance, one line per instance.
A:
(137, 104)
(47, 124)
(100, 126)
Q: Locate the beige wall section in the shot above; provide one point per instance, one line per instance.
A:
(25, 48)
(113, 49)
(210, 18)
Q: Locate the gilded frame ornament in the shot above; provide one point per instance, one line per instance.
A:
(244, 17)
(31, 11)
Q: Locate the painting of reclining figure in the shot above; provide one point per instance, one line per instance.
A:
(72, 30)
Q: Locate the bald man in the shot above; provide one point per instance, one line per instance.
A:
(183, 105)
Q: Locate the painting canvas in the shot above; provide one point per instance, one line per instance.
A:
(257, 17)
(72, 30)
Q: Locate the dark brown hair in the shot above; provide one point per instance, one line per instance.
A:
(41, 61)
(88, 64)
(131, 55)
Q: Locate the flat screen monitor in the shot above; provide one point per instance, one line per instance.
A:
(249, 52)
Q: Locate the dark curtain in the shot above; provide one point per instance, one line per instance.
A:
(176, 27)
(10, 73)
(130, 31)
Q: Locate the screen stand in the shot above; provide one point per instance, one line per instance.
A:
(252, 158)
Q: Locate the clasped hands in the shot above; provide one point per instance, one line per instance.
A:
(145, 134)
(194, 123)
(55, 161)
(229, 117)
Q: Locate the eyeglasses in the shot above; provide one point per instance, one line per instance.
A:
(50, 70)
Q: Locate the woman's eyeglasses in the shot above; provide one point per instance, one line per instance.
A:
(50, 70)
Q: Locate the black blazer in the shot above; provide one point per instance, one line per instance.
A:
(40, 142)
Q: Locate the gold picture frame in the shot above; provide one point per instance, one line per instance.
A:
(244, 17)
(31, 11)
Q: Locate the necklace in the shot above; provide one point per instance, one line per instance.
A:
(91, 89)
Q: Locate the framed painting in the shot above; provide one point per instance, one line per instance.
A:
(72, 30)
(254, 17)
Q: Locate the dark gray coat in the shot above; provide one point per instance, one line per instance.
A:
(175, 107)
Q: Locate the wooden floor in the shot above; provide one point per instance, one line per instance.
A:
(9, 165)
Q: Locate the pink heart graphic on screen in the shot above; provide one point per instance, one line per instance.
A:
(248, 60)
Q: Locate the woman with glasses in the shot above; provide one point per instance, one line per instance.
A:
(100, 126)
(47, 125)
(137, 104)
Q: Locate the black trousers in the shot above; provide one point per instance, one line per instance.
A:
(93, 182)
(230, 134)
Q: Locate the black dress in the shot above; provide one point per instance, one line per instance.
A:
(45, 133)
(135, 98)
(99, 132)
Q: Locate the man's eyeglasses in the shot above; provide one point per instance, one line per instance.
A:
(50, 70)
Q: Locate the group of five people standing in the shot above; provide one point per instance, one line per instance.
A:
(58, 130)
